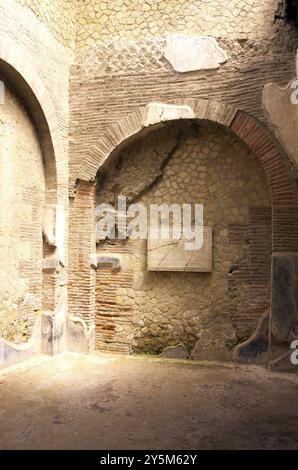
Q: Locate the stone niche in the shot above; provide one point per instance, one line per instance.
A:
(141, 310)
(22, 198)
(172, 255)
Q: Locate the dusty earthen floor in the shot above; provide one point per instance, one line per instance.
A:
(116, 402)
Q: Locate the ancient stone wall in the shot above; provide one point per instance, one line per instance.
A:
(120, 65)
(22, 199)
(59, 16)
(35, 59)
(31, 37)
(99, 62)
(146, 311)
(137, 19)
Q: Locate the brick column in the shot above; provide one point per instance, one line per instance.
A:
(82, 277)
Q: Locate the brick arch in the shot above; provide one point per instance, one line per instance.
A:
(283, 188)
(254, 134)
(15, 67)
(30, 89)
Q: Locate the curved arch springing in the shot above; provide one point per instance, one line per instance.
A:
(254, 134)
(23, 77)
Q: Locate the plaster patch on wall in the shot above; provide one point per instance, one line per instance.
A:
(53, 229)
(80, 337)
(283, 116)
(187, 54)
(50, 264)
(48, 224)
(281, 107)
(171, 255)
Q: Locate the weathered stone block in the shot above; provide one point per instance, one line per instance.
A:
(51, 263)
(175, 352)
(80, 338)
(160, 112)
(53, 330)
(49, 224)
(281, 106)
(113, 261)
(187, 53)
(171, 255)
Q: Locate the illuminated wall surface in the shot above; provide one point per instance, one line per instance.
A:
(79, 127)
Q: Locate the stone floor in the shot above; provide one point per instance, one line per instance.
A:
(116, 402)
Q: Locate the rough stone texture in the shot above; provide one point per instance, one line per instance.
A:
(58, 15)
(139, 177)
(21, 206)
(206, 165)
(175, 352)
(120, 68)
(28, 41)
(42, 88)
(11, 353)
(135, 19)
(114, 77)
(186, 53)
(109, 402)
(134, 57)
